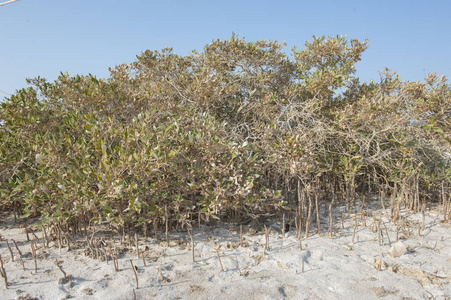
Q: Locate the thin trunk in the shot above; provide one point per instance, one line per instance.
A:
(300, 202)
(318, 217)
(307, 225)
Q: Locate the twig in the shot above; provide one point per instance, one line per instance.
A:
(60, 238)
(166, 223)
(8, 2)
(136, 275)
(342, 220)
(136, 244)
(386, 232)
(144, 261)
(10, 251)
(114, 258)
(20, 254)
(307, 228)
(26, 232)
(355, 220)
(419, 228)
(46, 244)
(241, 235)
(379, 233)
(105, 255)
(36, 240)
(180, 93)
(331, 219)
(58, 264)
(353, 234)
(300, 242)
(92, 237)
(192, 241)
(422, 216)
(283, 226)
(219, 259)
(3, 272)
(318, 217)
(267, 239)
(299, 225)
(33, 253)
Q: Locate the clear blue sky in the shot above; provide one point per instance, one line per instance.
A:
(44, 37)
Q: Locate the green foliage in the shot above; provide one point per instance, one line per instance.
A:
(228, 131)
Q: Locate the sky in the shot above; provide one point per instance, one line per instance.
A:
(46, 37)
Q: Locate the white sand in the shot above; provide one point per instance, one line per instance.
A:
(325, 269)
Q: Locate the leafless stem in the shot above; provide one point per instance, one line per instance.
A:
(3, 272)
(33, 253)
(10, 250)
(397, 233)
(283, 226)
(422, 216)
(219, 259)
(136, 275)
(342, 220)
(192, 242)
(114, 258)
(46, 244)
(20, 254)
(331, 220)
(58, 264)
(136, 244)
(166, 223)
(241, 235)
(26, 232)
(386, 232)
(8, 2)
(300, 242)
(266, 239)
(144, 260)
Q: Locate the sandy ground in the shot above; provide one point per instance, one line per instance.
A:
(325, 268)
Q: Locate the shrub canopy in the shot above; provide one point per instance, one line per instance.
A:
(241, 129)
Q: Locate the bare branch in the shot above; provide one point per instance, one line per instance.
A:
(8, 2)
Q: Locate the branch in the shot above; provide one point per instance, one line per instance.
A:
(8, 2)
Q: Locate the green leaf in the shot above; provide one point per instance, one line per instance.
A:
(135, 156)
(438, 130)
(68, 139)
(170, 127)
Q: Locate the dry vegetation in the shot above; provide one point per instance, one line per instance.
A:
(239, 130)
